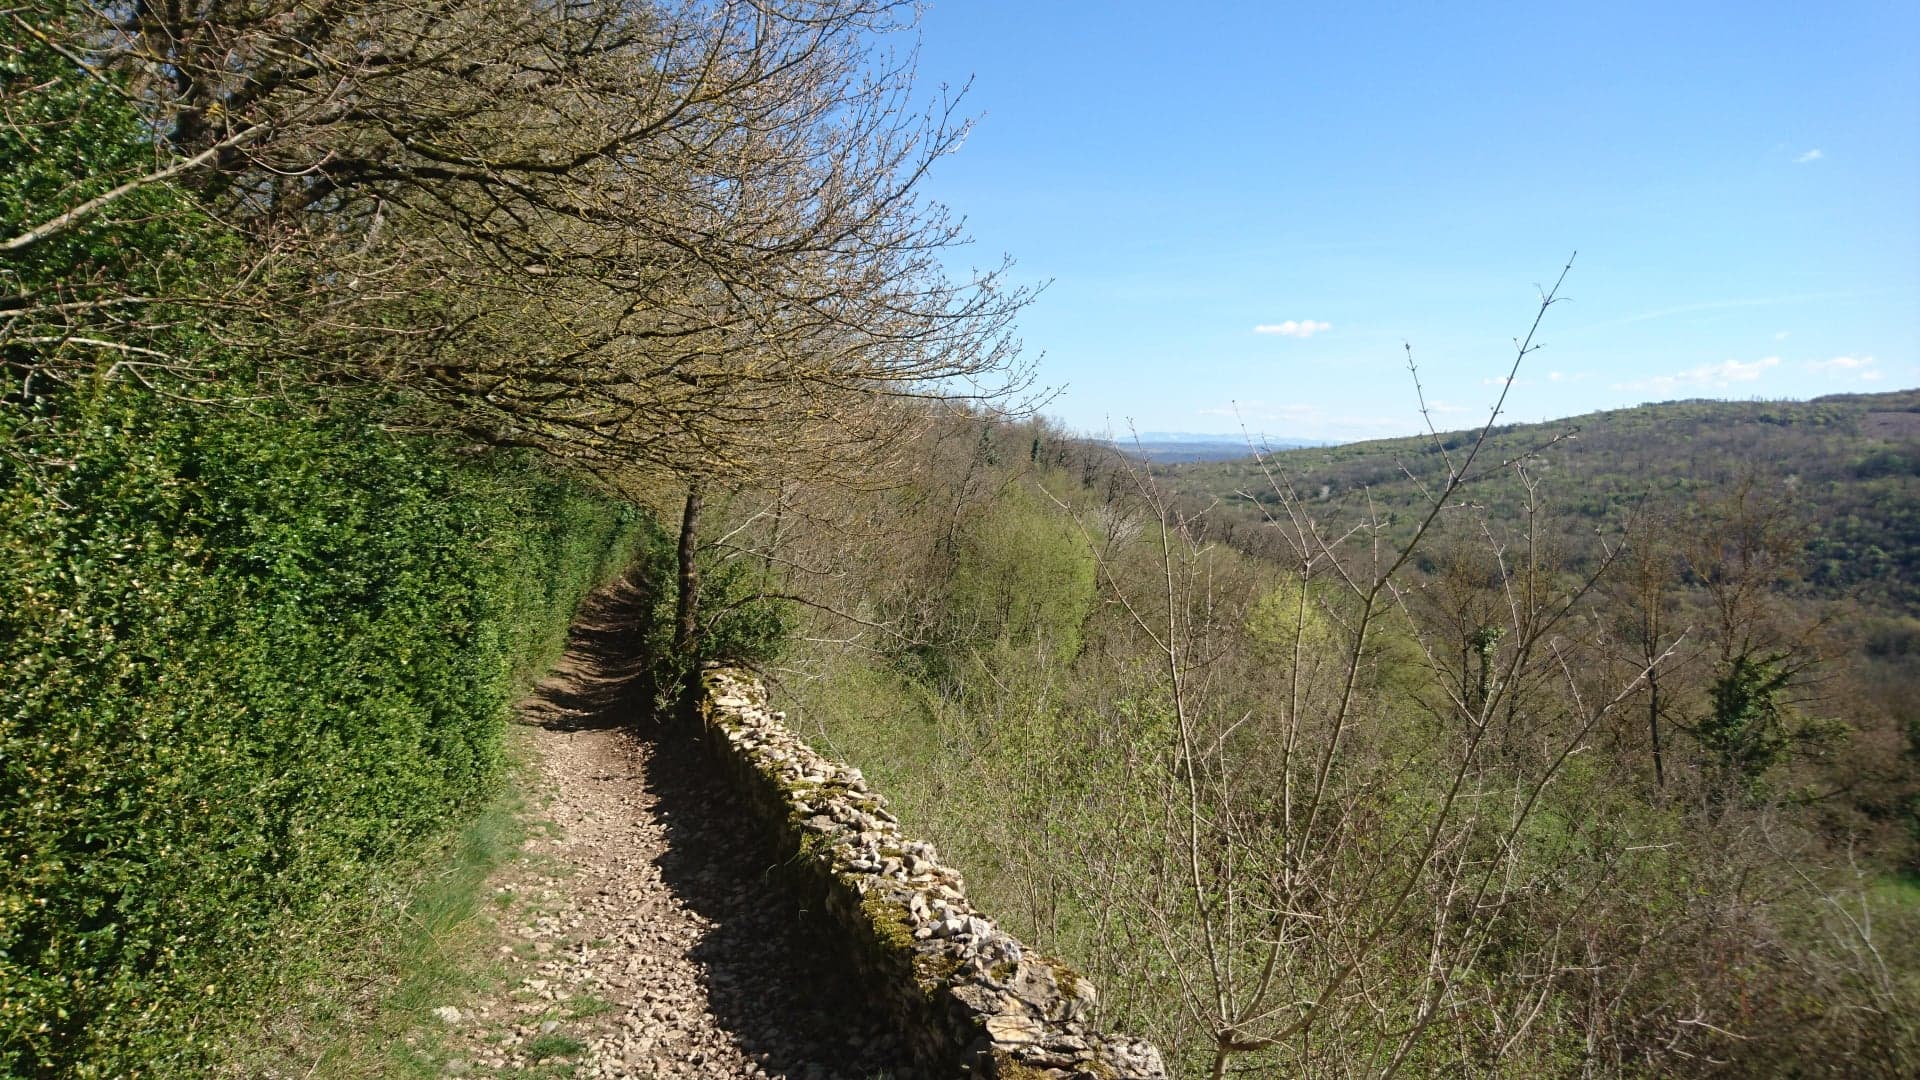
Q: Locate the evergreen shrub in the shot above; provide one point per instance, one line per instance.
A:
(250, 653)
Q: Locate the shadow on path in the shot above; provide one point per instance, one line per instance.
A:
(774, 979)
(600, 681)
(774, 982)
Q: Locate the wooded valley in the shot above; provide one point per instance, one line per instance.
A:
(347, 345)
(1593, 780)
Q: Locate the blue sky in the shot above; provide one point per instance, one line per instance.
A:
(1742, 182)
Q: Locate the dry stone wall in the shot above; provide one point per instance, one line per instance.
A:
(972, 1001)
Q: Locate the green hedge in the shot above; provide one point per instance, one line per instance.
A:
(249, 653)
(251, 647)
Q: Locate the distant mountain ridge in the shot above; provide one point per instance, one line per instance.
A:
(1171, 447)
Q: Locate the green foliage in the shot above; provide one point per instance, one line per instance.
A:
(1285, 618)
(744, 626)
(1023, 575)
(356, 998)
(1591, 908)
(249, 654)
(740, 624)
(1850, 457)
(71, 137)
(1745, 730)
(1749, 728)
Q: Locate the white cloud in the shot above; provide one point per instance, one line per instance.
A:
(1301, 328)
(1715, 376)
(1782, 335)
(1856, 368)
(1842, 363)
(1809, 156)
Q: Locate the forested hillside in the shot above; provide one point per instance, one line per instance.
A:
(1385, 790)
(1784, 532)
(1846, 467)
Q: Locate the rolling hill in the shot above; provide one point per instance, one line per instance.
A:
(1847, 466)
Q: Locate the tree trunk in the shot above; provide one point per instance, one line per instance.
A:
(1653, 726)
(686, 622)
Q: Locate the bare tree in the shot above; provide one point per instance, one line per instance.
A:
(1317, 889)
(1651, 628)
(684, 239)
(668, 246)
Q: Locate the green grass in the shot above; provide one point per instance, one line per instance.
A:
(553, 1045)
(363, 1005)
(587, 1005)
(1896, 893)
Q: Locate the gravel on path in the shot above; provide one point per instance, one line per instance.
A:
(642, 934)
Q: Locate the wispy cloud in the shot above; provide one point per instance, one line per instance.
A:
(1712, 305)
(1857, 368)
(1809, 156)
(1295, 328)
(1706, 376)
(1551, 376)
(1842, 363)
(1782, 335)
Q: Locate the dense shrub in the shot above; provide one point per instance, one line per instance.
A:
(253, 646)
(1491, 879)
(1023, 579)
(249, 653)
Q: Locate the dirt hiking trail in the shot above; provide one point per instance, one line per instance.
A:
(642, 934)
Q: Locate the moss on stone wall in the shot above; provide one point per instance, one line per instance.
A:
(971, 999)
